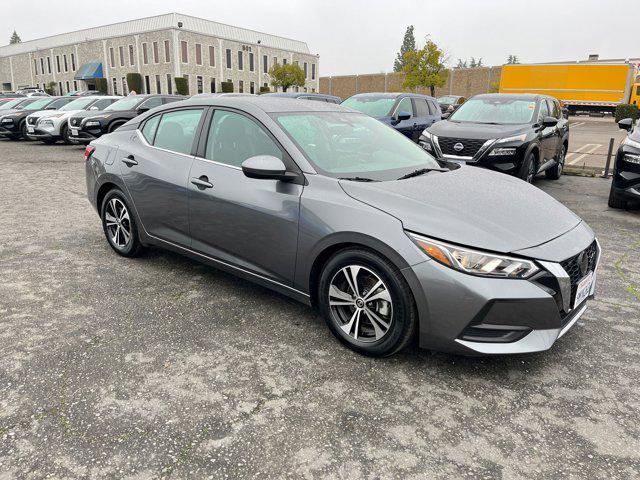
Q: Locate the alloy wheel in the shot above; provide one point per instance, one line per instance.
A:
(532, 171)
(118, 223)
(561, 159)
(360, 303)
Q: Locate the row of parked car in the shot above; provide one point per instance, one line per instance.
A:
(522, 135)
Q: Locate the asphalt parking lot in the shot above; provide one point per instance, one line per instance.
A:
(162, 367)
(589, 140)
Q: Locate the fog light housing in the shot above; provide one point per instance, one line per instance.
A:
(92, 124)
(503, 151)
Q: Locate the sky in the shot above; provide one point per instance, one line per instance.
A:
(359, 36)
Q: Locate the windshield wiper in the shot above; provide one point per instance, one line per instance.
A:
(358, 179)
(422, 171)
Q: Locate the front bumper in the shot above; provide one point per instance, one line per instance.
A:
(9, 130)
(626, 177)
(84, 135)
(473, 315)
(44, 134)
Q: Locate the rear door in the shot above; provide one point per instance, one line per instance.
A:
(423, 117)
(155, 166)
(248, 223)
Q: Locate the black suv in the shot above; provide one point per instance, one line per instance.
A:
(87, 126)
(625, 187)
(521, 135)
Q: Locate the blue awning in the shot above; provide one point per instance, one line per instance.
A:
(88, 71)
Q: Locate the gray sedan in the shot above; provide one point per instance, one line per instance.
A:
(335, 209)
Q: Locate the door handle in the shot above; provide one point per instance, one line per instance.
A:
(130, 161)
(202, 182)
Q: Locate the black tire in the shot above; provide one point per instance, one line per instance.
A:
(64, 133)
(115, 126)
(23, 131)
(528, 168)
(555, 172)
(401, 313)
(130, 247)
(615, 201)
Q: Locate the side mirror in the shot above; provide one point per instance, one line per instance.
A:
(94, 108)
(626, 124)
(141, 110)
(399, 117)
(266, 167)
(549, 122)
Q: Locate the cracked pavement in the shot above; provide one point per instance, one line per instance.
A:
(161, 367)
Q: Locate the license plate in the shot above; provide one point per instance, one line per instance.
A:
(74, 132)
(584, 287)
(30, 130)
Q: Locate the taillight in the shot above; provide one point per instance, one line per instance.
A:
(88, 152)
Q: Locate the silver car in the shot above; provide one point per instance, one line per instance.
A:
(335, 209)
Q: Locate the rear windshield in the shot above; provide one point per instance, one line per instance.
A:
(374, 106)
(495, 110)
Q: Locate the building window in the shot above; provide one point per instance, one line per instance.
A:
(212, 56)
(112, 57)
(186, 77)
(198, 54)
(306, 70)
(66, 64)
(60, 92)
(115, 82)
(42, 65)
(240, 86)
(68, 87)
(35, 65)
(145, 54)
(73, 62)
(125, 87)
(158, 86)
(284, 61)
(167, 52)
(251, 61)
(213, 85)
(156, 55)
(199, 84)
(121, 53)
(275, 60)
(240, 58)
(75, 85)
(184, 48)
(265, 64)
(252, 87)
(132, 57)
(147, 84)
(228, 58)
(169, 84)
(58, 62)
(313, 71)
(49, 65)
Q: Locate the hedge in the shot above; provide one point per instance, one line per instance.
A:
(624, 110)
(182, 86)
(101, 85)
(134, 82)
(264, 89)
(227, 87)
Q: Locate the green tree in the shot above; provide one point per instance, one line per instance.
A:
(461, 64)
(425, 68)
(472, 63)
(182, 86)
(285, 76)
(15, 38)
(511, 59)
(101, 85)
(479, 63)
(408, 45)
(134, 82)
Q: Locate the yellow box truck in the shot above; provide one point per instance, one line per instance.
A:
(580, 86)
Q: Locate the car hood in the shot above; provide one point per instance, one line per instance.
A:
(11, 111)
(43, 113)
(445, 128)
(470, 206)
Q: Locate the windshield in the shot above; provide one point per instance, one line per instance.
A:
(124, 104)
(12, 103)
(79, 104)
(447, 100)
(498, 110)
(374, 106)
(352, 145)
(38, 104)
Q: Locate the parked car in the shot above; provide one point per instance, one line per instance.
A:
(51, 126)
(87, 126)
(13, 124)
(625, 185)
(224, 94)
(448, 103)
(15, 104)
(319, 97)
(33, 91)
(409, 113)
(331, 207)
(521, 135)
(11, 95)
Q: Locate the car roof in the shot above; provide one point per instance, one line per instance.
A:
(298, 94)
(515, 96)
(268, 104)
(392, 95)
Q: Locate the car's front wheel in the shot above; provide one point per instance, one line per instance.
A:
(615, 201)
(555, 172)
(64, 133)
(367, 303)
(119, 224)
(528, 168)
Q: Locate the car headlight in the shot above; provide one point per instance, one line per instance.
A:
(92, 124)
(517, 138)
(475, 262)
(631, 158)
(503, 151)
(631, 143)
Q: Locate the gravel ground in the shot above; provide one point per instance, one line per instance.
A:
(162, 367)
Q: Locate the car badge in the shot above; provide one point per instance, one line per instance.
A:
(458, 147)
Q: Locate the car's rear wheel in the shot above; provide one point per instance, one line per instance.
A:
(367, 303)
(115, 126)
(528, 169)
(119, 225)
(615, 201)
(555, 172)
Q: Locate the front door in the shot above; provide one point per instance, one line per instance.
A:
(155, 167)
(248, 223)
(548, 135)
(406, 127)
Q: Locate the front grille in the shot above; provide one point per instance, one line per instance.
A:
(572, 266)
(469, 146)
(32, 121)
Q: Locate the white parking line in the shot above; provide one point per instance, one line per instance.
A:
(595, 146)
(579, 149)
(577, 124)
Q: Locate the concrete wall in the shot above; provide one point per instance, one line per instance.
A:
(465, 82)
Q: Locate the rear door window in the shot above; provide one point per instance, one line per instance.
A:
(151, 103)
(150, 127)
(422, 109)
(434, 107)
(177, 130)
